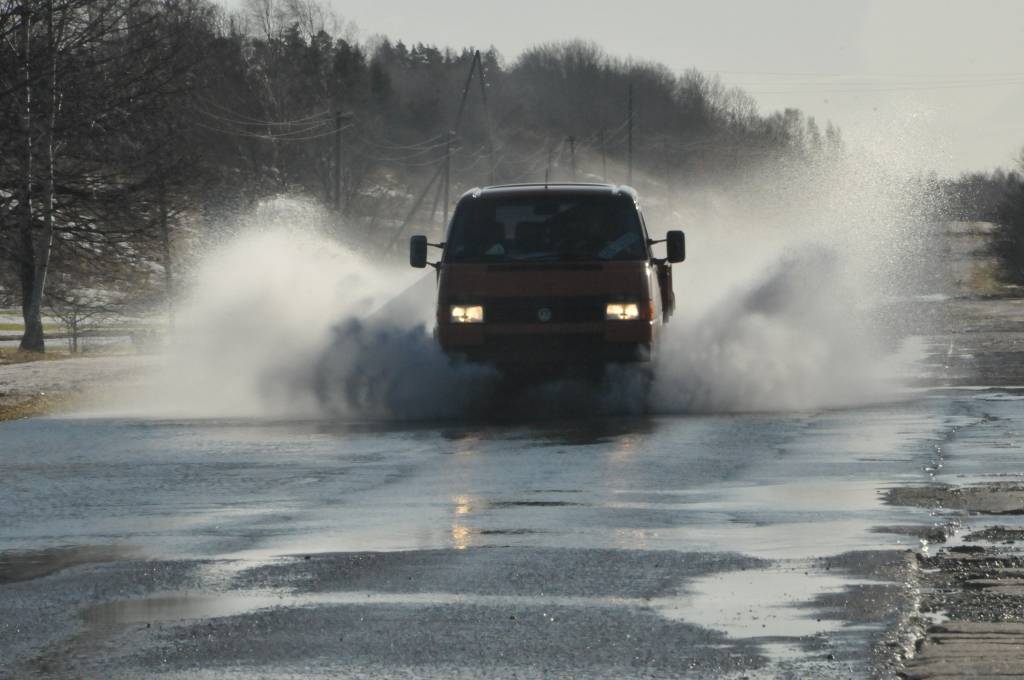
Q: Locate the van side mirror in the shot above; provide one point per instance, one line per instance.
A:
(675, 244)
(418, 251)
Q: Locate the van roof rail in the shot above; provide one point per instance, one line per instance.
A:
(595, 187)
(550, 184)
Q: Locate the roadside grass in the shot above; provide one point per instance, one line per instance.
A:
(50, 328)
(14, 327)
(17, 356)
(36, 405)
(985, 280)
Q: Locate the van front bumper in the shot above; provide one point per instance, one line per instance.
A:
(547, 343)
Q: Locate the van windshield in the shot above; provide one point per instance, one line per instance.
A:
(543, 228)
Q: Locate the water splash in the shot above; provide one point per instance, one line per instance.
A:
(782, 305)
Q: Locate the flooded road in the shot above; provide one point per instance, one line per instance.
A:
(744, 545)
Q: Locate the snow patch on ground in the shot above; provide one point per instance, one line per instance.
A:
(83, 376)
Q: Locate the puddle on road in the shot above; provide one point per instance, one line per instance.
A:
(178, 607)
(758, 602)
(804, 495)
(784, 540)
(1003, 395)
(25, 565)
(532, 504)
(770, 603)
(183, 606)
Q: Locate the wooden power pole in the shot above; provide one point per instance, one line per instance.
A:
(447, 177)
(444, 170)
(572, 156)
(604, 157)
(629, 152)
(337, 161)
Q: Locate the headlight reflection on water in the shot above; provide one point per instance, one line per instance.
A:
(461, 535)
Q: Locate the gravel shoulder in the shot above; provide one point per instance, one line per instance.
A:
(967, 620)
(970, 609)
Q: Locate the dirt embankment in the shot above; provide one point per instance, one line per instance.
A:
(968, 620)
(973, 593)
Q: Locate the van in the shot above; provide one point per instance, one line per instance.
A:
(551, 275)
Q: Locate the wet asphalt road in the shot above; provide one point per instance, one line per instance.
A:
(708, 546)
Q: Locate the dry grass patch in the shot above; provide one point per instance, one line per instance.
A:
(17, 356)
(37, 405)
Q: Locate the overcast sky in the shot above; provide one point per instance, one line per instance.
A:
(941, 80)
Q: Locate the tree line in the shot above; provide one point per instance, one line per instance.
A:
(128, 127)
(996, 197)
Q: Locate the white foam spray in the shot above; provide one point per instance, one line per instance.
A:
(786, 300)
(780, 307)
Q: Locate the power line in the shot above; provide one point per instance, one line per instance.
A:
(868, 74)
(809, 82)
(878, 83)
(390, 144)
(270, 137)
(404, 147)
(815, 89)
(315, 123)
(319, 136)
(408, 164)
(242, 119)
(397, 159)
(264, 123)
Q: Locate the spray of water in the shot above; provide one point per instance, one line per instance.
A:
(780, 306)
(787, 300)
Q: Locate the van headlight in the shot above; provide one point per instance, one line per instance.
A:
(467, 314)
(622, 311)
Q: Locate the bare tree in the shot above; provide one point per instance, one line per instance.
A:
(96, 75)
(268, 15)
(311, 17)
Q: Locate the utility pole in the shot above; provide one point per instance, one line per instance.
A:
(447, 174)
(604, 157)
(473, 66)
(629, 176)
(487, 114)
(335, 190)
(337, 161)
(572, 156)
(416, 205)
(433, 207)
(165, 243)
(444, 169)
(551, 159)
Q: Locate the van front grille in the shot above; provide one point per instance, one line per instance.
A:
(544, 310)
